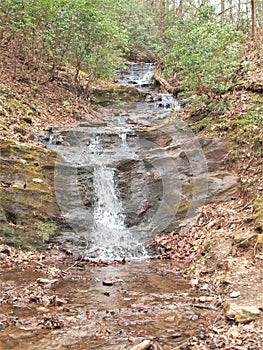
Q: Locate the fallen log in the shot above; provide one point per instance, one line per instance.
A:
(158, 76)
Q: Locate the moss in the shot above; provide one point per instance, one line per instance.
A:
(46, 229)
(28, 210)
(115, 94)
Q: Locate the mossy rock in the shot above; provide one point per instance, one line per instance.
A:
(241, 313)
(29, 215)
(113, 94)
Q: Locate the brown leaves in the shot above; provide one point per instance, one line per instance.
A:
(51, 323)
(177, 245)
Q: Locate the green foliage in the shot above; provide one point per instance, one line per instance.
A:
(204, 52)
(46, 229)
(80, 33)
(143, 30)
(93, 35)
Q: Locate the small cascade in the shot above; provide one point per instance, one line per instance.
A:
(109, 238)
(139, 75)
(156, 105)
(108, 212)
(166, 101)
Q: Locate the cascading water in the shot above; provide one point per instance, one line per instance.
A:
(109, 238)
(137, 75)
(104, 182)
(108, 212)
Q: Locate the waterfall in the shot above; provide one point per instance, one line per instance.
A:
(108, 212)
(101, 166)
(137, 75)
(109, 238)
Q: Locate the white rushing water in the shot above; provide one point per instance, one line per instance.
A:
(109, 238)
(137, 75)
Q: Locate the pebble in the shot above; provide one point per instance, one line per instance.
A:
(234, 294)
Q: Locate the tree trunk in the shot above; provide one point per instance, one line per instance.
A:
(253, 18)
(222, 11)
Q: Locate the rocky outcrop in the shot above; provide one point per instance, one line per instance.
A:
(28, 212)
(114, 94)
(175, 175)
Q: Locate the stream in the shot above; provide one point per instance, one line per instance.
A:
(122, 178)
(104, 308)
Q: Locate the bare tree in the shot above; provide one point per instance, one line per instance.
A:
(253, 18)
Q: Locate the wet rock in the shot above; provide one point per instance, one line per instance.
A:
(92, 123)
(241, 313)
(114, 94)
(172, 154)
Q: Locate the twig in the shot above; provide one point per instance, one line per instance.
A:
(70, 267)
(248, 165)
(217, 316)
(255, 249)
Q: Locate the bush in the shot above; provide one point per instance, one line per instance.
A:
(205, 53)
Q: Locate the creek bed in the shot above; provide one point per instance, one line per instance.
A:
(103, 307)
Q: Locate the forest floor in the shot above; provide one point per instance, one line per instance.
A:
(225, 242)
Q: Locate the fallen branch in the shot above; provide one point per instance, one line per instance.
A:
(158, 76)
(147, 345)
(206, 307)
